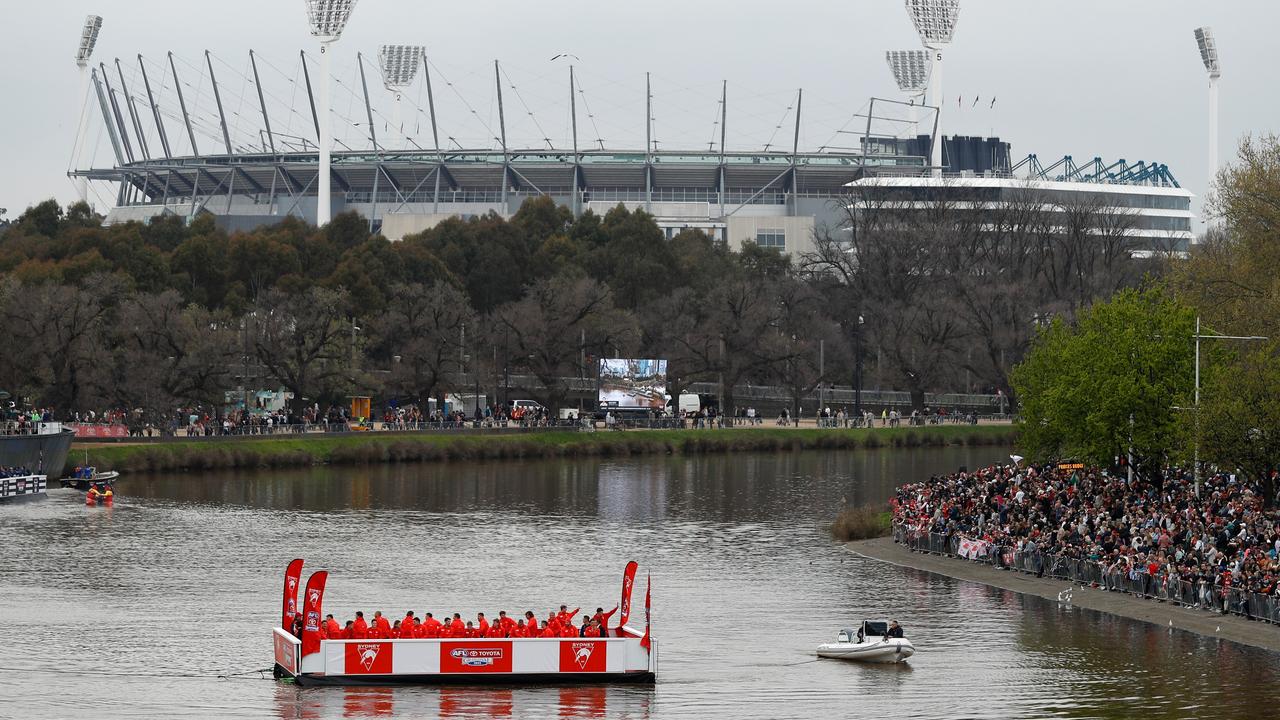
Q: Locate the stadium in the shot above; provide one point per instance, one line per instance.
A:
(243, 143)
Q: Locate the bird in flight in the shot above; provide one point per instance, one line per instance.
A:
(565, 55)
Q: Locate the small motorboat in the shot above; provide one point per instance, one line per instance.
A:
(869, 643)
(84, 478)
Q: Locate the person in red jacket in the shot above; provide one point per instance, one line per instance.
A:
(521, 630)
(380, 622)
(530, 624)
(495, 631)
(482, 626)
(457, 628)
(332, 629)
(593, 629)
(419, 630)
(349, 632)
(508, 625)
(565, 617)
(395, 630)
(547, 631)
(602, 618)
(567, 630)
(431, 626)
(361, 628)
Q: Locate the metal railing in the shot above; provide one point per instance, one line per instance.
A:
(1196, 594)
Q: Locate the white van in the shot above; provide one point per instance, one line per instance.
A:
(686, 404)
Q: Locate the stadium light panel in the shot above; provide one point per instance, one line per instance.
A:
(328, 17)
(935, 20)
(910, 69)
(88, 39)
(1208, 51)
(399, 64)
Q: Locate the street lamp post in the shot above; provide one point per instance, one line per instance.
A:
(399, 65)
(1198, 337)
(935, 21)
(88, 40)
(857, 368)
(1213, 66)
(327, 19)
(911, 70)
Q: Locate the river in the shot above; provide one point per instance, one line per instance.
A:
(135, 611)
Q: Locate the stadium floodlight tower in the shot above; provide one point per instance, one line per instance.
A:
(911, 71)
(399, 65)
(1209, 54)
(327, 19)
(935, 21)
(88, 41)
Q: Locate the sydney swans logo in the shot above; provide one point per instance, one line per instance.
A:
(313, 596)
(582, 653)
(293, 584)
(368, 654)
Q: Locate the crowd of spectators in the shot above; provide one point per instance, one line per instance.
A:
(1154, 528)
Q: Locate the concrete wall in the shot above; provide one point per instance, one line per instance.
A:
(798, 231)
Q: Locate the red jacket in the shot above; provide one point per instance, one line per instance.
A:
(360, 630)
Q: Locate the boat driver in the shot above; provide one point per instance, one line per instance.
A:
(895, 630)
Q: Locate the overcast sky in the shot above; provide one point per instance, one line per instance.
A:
(1119, 79)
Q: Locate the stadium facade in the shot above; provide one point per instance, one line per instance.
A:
(774, 198)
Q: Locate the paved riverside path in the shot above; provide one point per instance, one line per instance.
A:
(1228, 627)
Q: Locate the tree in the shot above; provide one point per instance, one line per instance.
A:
(546, 330)
(171, 353)
(1239, 424)
(57, 350)
(1230, 277)
(1109, 380)
(422, 330)
(300, 339)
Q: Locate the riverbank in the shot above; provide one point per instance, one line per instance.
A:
(1202, 622)
(386, 447)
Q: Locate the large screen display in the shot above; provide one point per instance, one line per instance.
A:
(633, 383)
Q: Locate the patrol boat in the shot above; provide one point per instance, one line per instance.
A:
(870, 643)
(627, 655)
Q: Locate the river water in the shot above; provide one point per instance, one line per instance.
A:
(135, 611)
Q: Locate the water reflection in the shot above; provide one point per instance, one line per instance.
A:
(294, 703)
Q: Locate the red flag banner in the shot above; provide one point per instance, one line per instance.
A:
(292, 576)
(648, 583)
(312, 604)
(624, 605)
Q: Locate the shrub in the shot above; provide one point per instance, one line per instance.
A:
(861, 523)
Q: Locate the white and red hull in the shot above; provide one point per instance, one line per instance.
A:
(510, 661)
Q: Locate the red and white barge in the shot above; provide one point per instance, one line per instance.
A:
(628, 655)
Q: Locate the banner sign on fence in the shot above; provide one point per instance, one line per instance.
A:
(99, 431)
(973, 549)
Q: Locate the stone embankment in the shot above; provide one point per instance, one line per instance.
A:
(1203, 622)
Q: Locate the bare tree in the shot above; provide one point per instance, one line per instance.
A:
(170, 353)
(423, 330)
(300, 340)
(546, 330)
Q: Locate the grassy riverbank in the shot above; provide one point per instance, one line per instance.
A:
(356, 449)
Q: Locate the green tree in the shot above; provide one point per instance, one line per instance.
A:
(1111, 379)
(1240, 417)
